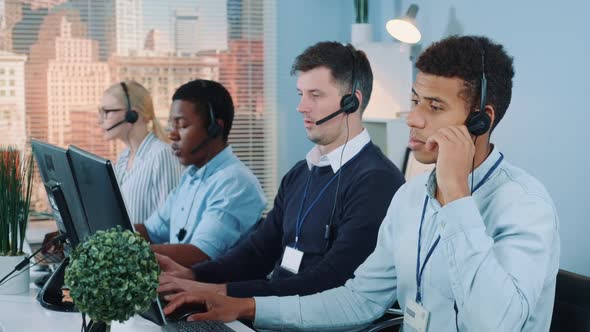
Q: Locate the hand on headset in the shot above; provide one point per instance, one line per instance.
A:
(453, 164)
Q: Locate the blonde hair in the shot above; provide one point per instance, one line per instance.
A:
(141, 102)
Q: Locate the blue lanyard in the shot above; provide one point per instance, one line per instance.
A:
(301, 219)
(420, 271)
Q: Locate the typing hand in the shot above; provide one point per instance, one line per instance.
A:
(219, 307)
(171, 284)
(170, 267)
(453, 164)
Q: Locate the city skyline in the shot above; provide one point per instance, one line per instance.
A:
(69, 54)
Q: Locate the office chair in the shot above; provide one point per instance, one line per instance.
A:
(571, 310)
(391, 324)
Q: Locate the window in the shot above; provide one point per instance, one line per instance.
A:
(66, 67)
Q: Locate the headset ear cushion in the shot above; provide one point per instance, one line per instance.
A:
(478, 123)
(131, 116)
(349, 103)
(214, 130)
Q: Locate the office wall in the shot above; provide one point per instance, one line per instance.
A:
(545, 126)
(301, 23)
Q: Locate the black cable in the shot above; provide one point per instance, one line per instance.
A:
(328, 231)
(473, 166)
(84, 326)
(27, 259)
(28, 268)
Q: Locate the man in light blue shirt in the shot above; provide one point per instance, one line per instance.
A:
(473, 245)
(218, 198)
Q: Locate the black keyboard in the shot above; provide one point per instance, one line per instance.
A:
(204, 326)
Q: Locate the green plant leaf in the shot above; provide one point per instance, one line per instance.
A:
(113, 275)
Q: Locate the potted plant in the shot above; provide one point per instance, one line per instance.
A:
(113, 275)
(361, 30)
(16, 171)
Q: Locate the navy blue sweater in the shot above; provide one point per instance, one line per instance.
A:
(367, 185)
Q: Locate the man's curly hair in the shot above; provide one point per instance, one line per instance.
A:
(461, 57)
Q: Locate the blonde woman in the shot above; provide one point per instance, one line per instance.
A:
(146, 170)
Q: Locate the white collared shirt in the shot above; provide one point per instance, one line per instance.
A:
(354, 146)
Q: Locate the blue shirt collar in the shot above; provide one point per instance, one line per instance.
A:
(212, 165)
(478, 173)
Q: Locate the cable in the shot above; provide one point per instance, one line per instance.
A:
(473, 166)
(84, 326)
(27, 259)
(25, 270)
(328, 231)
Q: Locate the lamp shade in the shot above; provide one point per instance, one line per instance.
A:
(404, 29)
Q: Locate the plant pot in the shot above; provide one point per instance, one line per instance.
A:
(99, 326)
(18, 282)
(361, 33)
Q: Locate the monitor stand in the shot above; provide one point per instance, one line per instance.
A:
(51, 296)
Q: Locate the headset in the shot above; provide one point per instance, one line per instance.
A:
(478, 123)
(213, 129)
(349, 102)
(131, 116)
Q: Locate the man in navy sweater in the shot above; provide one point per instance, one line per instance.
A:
(329, 207)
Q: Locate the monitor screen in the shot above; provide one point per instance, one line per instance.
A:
(98, 190)
(55, 172)
(103, 202)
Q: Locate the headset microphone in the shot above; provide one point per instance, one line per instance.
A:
(349, 102)
(117, 124)
(329, 117)
(131, 116)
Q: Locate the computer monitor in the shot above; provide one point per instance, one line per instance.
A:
(54, 168)
(98, 190)
(103, 202)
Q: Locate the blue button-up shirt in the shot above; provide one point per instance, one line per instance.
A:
(215, 204)
(154, 173)
(497, 259)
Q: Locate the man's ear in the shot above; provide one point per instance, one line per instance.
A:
(491, 112)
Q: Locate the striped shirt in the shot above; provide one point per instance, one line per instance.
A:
(215, 204)
(154, 173)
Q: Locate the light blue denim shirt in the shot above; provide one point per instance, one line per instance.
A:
(497, 259)
(215, 204)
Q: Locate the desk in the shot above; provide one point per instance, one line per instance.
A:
(22, 313)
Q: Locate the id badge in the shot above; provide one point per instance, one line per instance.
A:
(291, 259)
(415, 317)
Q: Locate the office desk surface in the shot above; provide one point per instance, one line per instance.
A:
(23, 313)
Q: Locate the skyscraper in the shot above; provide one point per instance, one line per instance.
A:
(203, 28)
(64, 76)
(125, 33)
(186, 31)
(12, 99)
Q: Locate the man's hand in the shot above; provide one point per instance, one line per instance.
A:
(171, 284)
(219, 307)
(453, 164)
(171, 268)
